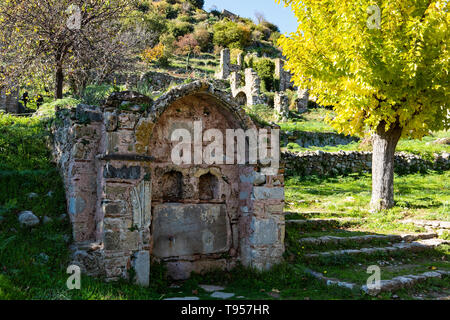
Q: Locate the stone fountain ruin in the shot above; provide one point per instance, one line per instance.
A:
(129, 204)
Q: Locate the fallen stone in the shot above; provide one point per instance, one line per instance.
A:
(32, 195)
(209, 288)
(141, 265)
(222, 295)
(27, 218)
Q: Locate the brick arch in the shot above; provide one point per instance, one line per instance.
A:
(202, 88)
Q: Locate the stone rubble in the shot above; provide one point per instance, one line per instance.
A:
(344, 162)
(28, 219)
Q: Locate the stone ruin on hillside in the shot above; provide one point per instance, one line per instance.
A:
(250, 92)
(129, 203)
(9, 100)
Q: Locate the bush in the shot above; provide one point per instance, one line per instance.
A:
(23, 144)
(96, 94)
(234, 53)
(180, 29)
(197, 3)
(168, 41)
(150, 55)
(274, 38)
(230, 34)
(203, 37)
(266, 69)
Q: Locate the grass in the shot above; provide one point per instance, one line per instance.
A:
(420, 195)
(47, 110)
(313, 121)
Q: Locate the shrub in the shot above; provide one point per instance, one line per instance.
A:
(197, 3)
(203, 37)
(234, 54)
(274, 38)
(96, 94)
(168, 40)
(230, 34)
(180, 29)
(151, 55)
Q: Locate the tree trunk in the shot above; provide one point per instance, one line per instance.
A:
(59, 82)
(187, 61)
(384, 144)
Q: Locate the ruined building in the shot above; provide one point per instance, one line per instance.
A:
(9, 101)
(130, 203)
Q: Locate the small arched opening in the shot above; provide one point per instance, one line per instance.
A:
(208, 187)
(172, 186)
(241, 99)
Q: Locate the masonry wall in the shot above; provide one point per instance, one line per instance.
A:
(344, 162)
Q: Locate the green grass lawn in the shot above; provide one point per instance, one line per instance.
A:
(417, 195)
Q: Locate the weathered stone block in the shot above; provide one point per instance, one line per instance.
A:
(76, 205)
(111, 121)
(126, 173)
(186, 229)
(141, 266)
(114, 208)
(264, 193)
(111, 240)
(265, 232)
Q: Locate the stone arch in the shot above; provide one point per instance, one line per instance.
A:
(241, 98)
(205, 89)
(172, 186)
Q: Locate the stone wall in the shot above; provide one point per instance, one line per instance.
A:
(158, 81)
(129, 203)
(284, 76)
(226, 67)
(250, 93)
(336, 163)
(302, 100)
(281, 105)
(307, 139)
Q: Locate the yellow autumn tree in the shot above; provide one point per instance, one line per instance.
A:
(383, 65)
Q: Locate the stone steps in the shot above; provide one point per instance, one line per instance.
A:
(440, 227)
(406, 281)
(416, 246)
(397, 283)
(323, 223)
(333, 240)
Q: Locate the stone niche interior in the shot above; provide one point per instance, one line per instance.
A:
(130, 204)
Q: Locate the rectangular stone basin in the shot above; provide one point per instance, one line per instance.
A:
(188, 229)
